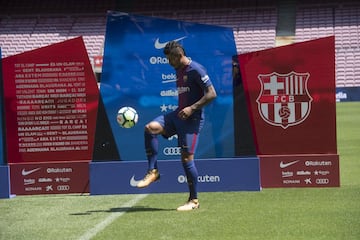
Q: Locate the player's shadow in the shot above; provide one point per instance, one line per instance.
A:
(138, 209)
(124, 210)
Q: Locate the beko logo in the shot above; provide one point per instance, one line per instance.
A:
(29, 181)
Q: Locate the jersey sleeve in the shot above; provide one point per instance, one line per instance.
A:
(204, 80)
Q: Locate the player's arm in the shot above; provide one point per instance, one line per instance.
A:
(209, 95)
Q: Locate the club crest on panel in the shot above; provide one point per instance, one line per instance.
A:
(284, 99)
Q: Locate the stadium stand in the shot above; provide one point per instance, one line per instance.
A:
(341, 20)
(18, 34)
(26, 25)
(254, 29)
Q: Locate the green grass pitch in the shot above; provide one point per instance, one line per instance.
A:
(292, 213)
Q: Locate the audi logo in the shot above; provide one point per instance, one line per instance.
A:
(63, 188)
(172, 151)
(322, 181)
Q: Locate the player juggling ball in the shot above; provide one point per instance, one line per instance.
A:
(195, 90)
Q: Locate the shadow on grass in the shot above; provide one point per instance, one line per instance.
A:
(123, 210)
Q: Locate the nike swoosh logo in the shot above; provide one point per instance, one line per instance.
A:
(133, 182)
(285, 165)
(25, 173)
(159, 45)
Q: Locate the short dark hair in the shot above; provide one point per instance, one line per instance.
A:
(174, 48)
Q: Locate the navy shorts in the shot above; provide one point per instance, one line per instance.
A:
(187, 130)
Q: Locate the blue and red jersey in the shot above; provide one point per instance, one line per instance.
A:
(191, 82)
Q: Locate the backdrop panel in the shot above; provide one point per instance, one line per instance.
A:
(311, 170)
(214, 175)
(136, 73)
(4, 182)
(49, 178)
(291, 97)
(51, 98)
(347, 94)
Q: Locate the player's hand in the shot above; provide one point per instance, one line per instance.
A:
(185, 113)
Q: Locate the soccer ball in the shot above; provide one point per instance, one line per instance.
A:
(127, 117)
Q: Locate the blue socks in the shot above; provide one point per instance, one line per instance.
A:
(192, 178)
(151, 148)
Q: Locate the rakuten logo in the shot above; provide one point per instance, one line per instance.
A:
(59, 170)
(158, 60)
(203, 179)
(318, 163)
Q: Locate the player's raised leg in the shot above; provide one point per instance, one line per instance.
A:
(151, 132)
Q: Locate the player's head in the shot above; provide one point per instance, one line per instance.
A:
(174, 47)
(174, 52)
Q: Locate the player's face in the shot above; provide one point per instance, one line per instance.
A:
(174, 61)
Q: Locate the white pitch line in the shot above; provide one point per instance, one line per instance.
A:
(112, 217)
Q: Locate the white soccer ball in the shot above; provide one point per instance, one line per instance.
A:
(127, 117)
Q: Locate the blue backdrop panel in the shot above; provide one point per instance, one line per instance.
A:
(232, 174)
(4, 182)
(136, 73)
(347, 94)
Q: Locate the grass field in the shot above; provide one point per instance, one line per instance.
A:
(292, 213)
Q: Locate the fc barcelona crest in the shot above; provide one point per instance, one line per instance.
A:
(284, 99)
